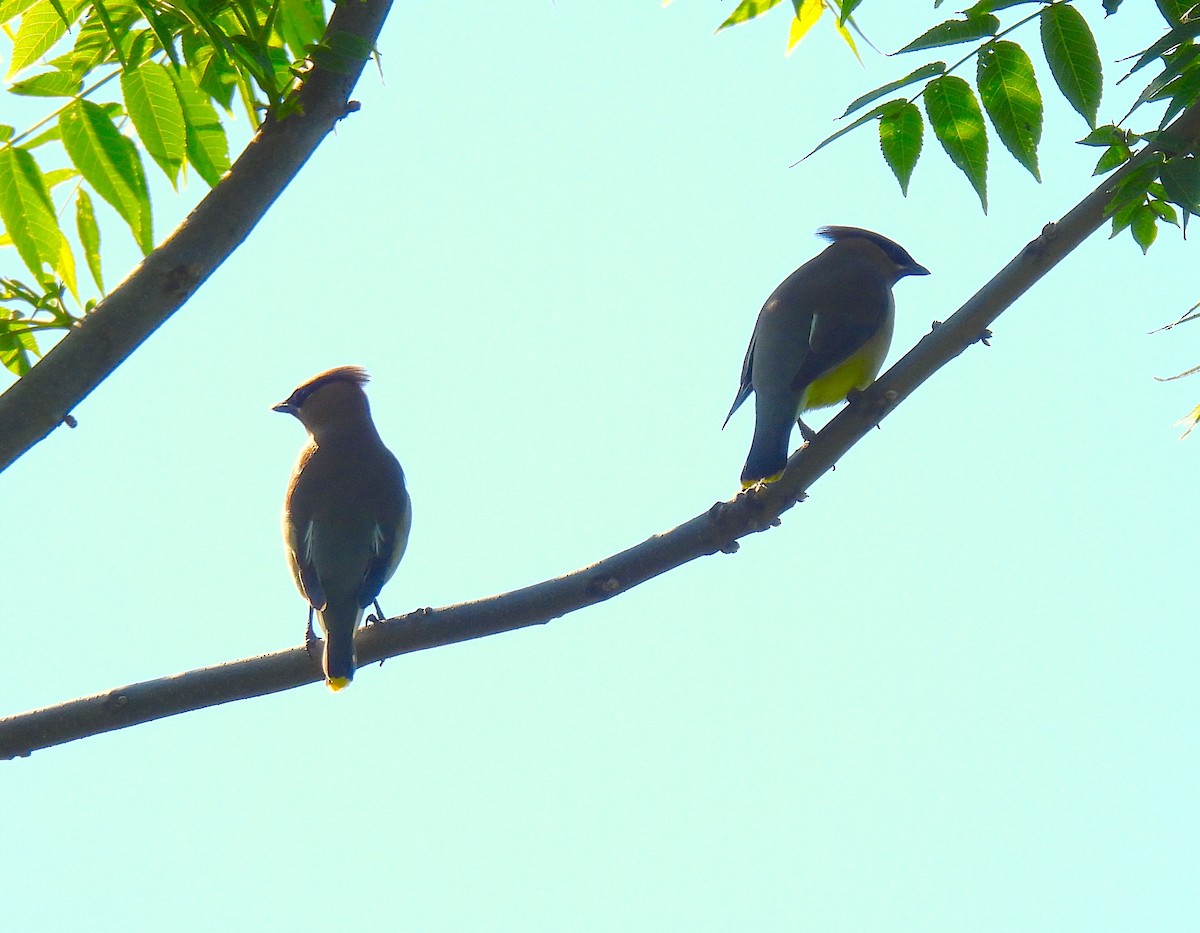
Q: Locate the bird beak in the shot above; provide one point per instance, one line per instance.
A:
(916, 269)
(284, 407)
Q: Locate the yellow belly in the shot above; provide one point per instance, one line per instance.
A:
(858, 372)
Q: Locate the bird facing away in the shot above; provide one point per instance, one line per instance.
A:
(822, 334)
(347, 514)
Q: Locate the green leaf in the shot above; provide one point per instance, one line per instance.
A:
(900, 132)
(957, 123)
(49, 84)
(848, 7)
(1180, 178)
(1108, 135)
(1164, 211)
(1145, 227)
(301, 23)
(747, 10)
(954, 31)
(925, 71)
(65, 266)
(89, 235)
(27, 211)
(41, 27)
(104, 35)
(207, 146)
(865, 118)
(1113, 157)
(1172, 10)
(110, 163)
(11, 9)
(1177, 38)
(1010, 95)
(57, 176)
(157, 115)
(17, 345)
(1110, 7)
(1074, 61)
(161, 29)
(991, 6)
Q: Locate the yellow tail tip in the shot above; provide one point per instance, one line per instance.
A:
(751, 483)
(338, 683)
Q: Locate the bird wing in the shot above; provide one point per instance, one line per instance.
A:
(843, 321)
(744, 386)
(389, 533)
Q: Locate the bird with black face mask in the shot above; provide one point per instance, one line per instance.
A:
(822, 334)
(347, 514)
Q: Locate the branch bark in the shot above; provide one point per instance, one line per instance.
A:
(716, 530)
(159, 286)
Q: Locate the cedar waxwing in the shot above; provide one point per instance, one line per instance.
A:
(821, 335)
(347, 514)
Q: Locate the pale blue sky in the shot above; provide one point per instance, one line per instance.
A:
(954, 691)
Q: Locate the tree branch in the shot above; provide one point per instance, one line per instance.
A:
(38, 403)
(713, 531)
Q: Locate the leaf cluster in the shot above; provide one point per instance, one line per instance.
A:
(1006, 88)
(126, 78)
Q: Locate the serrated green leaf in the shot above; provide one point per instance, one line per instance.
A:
(104, 35)
(1113, 157)
(1108, 135)
(110, 163)
(1176, 38)
(1074, 61)
(1010, 95)
(11, 9)
(27, 211)
(957, 122)
(925, 71)
(1164, 211)
(301, 23)
(89, 235)
(157, 115)
(1172, 10)
(865, 118)
(1144, 227)
(49, 84)
(954, 31)
(41, 27)
(207, 145)
(746, 11)
(50, 134)
(1123, 217)
(58, 176)
(17, 344)
(161, 29)
(1180, 178)
(65, 266)
(991, 6)
(900, 136)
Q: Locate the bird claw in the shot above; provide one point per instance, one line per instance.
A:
(374, 618)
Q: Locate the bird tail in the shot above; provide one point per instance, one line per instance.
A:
(340, 621)
(768, 454)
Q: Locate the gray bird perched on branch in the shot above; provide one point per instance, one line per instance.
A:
(822, 335)
(347, 514)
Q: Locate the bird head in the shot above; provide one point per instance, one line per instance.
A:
(889, 254)
(327, 399)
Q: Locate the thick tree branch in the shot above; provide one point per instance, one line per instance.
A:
(158, 287)
(713, 531)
